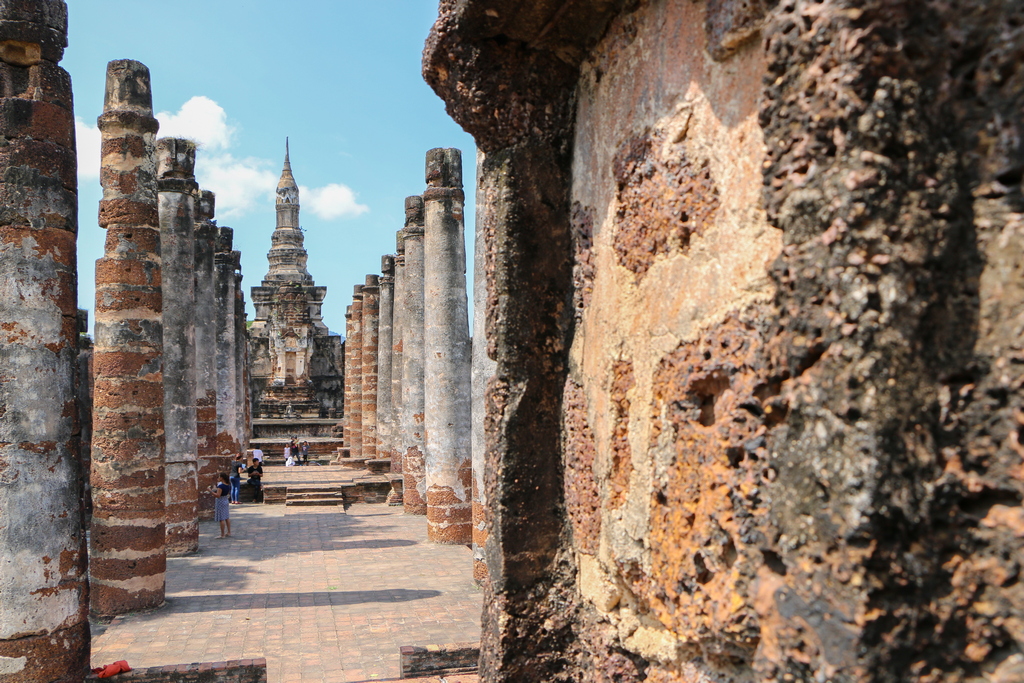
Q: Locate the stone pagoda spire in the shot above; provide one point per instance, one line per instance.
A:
(295, 361)
(287, 254)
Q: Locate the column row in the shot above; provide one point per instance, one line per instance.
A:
(408, 324)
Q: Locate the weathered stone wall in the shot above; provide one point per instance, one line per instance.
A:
(44, 632)
(327, 371)
(482, 372)
(752, 295)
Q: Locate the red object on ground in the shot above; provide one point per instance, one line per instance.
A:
(111, 669)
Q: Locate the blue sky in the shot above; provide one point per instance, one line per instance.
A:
(341, 78)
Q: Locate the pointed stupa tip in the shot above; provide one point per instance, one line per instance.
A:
(287, 189)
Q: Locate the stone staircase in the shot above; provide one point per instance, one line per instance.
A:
(314, 496)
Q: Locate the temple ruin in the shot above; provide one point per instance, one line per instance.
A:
(297, 364)
(744, 396)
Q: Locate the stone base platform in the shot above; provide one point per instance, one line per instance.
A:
(379, 465)
(352, 463)
(237, 671)
(367, 489)
(450, 678)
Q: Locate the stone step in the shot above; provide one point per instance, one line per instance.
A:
(336, 489)
(310, 502)
(353, 463)
(299, 495)
(379, 465)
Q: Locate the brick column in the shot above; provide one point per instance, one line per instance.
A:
(177, 187)
(208, 460)
(414, 494)
(371, 321)
(354, 410)
(385, 344)
(128, 556)
(396, 355)
(44, 634)
(447, 353)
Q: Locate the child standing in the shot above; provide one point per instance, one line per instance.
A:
(221, 511)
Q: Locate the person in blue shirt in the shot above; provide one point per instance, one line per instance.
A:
(237, 467)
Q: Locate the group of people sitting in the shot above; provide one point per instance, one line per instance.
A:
(255, 473)
(296, 454)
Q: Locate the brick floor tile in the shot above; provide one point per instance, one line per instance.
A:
(324, 595)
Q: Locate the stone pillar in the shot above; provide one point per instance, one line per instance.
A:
(447, 355)
(483, 371)
(44, 634)
(128, 557)
(349, 350)
(354, 410)
(396, 355)
(83, 389)
(371, 320)
(177, 187)
(414, 492)
(242, 430)
(208, 460)
(385, 344)
(224, 272)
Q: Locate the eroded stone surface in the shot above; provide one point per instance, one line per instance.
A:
(447, 354)
(789, 363)
(128, 477)
(176, 194)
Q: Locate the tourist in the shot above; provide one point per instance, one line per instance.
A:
(257, 454)
(221, 511)
(237, 465)
(304, 449)
(255, 472)
(287, 453)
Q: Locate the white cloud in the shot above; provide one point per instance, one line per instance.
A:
(240, 184)
(87, 140)
(243, 184)
(331, 201)
(200, 119)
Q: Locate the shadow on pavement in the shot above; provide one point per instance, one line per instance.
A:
(246, 601)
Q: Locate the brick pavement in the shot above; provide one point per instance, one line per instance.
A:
(325, 596)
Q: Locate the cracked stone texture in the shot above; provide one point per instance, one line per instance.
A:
(44, 633)
(755, 282)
